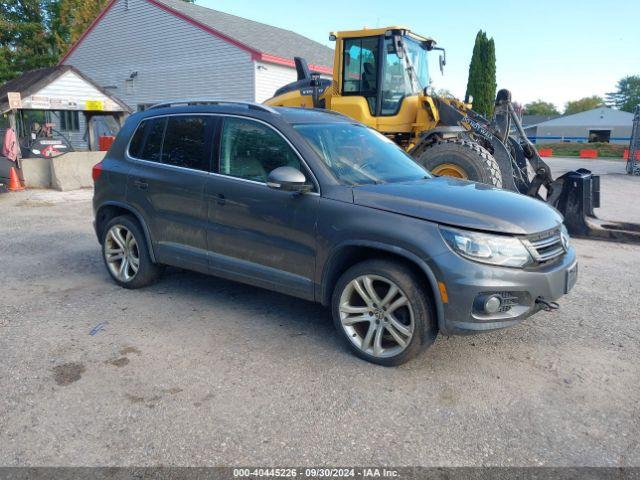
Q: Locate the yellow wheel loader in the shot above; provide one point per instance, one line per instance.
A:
(381, 79)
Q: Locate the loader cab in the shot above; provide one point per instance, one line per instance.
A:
(379, 75)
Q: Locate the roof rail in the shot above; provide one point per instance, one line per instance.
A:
(208, 101)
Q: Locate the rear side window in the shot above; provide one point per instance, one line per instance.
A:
(138, 140)
(152, 147)
(186, 142)
(182, 141)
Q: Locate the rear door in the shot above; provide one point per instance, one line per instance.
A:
(257, 234)
(172, 161)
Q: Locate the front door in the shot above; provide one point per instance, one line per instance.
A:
(167, 182)
(256, 234)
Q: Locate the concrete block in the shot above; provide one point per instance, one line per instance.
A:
(72, 171)
(36, 172)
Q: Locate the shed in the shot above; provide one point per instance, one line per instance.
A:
(598, 125)
(151, 51)
(62, 102)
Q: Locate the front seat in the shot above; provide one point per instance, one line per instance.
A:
(368, 77)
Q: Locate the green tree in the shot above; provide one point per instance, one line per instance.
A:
(583, 105)
(627, 95)
(35, 33)
(540, 107)
(25, 37)
(482, 75)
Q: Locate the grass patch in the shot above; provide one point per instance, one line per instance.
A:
(572, 149)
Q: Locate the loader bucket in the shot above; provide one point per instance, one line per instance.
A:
(575, 195)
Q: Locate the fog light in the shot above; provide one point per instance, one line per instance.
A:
(493, 304)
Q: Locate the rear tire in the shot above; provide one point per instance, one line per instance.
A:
(126, 254)
(394, 323)
(466, 158)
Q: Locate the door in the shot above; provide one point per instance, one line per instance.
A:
(167, 182)
(257, 234)
(99, 126)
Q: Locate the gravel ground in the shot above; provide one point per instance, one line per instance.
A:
(201, 371)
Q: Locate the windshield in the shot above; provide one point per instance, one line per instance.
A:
(403, 76)
(358, 155)
(417, 56)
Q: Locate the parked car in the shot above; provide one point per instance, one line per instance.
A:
(315, 205)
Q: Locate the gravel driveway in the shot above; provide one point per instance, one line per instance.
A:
(201, 371)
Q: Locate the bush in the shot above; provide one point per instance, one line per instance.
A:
(572, 149)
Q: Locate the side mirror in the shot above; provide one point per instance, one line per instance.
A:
(443, 62)
(288, 179)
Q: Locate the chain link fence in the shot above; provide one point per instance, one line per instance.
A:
(633, 163)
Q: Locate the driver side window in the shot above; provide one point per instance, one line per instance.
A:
(251, 150)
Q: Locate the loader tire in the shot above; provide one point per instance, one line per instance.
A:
(462, 159)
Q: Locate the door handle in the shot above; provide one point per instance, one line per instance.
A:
(141, 184)
(220, 199)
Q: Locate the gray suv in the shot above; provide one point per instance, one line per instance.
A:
(315, 205)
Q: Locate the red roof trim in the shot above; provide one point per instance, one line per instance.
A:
(87, 31)
(265, 57)
(255, 54)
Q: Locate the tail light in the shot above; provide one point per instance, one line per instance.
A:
(96, 171)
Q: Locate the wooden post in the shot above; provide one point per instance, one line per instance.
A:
(12, 120)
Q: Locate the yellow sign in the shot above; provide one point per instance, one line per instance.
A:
(94, 105)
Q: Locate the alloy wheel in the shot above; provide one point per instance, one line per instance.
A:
(121, 253)
(376, 316)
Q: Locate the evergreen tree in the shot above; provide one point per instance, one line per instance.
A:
(482, 75)
(627, 95)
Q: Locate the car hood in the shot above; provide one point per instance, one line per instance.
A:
(459, 203)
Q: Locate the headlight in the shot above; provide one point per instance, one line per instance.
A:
(566, 239)
(500, 250)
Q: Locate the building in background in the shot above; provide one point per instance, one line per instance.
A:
(598, 125)
(59, 104)
(150, 51)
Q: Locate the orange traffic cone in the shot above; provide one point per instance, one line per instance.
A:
(14, 181)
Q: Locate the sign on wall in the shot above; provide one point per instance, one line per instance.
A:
(15, 100)
(94, 105)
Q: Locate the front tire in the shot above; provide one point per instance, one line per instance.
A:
(381, 310)
(461, 159)
(126, 255)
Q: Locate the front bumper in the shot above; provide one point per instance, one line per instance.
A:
(465, 280)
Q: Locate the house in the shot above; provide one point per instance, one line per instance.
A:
(601, 124)
(528, 120)
(150, 51)
(67, 103)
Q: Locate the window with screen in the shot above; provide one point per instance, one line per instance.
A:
(251, 150)
(186, 142)
(69, 121)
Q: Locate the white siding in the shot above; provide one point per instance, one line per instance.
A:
(270, 77)
(173, 58)
(77, 139)
(71, 92)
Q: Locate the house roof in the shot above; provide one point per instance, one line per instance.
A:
(264, 42)
(33, 81)
(601, 116)
(531, 120)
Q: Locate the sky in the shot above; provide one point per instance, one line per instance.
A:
(552, 50)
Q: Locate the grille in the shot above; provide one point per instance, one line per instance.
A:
(508, 300)
(546, 247)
